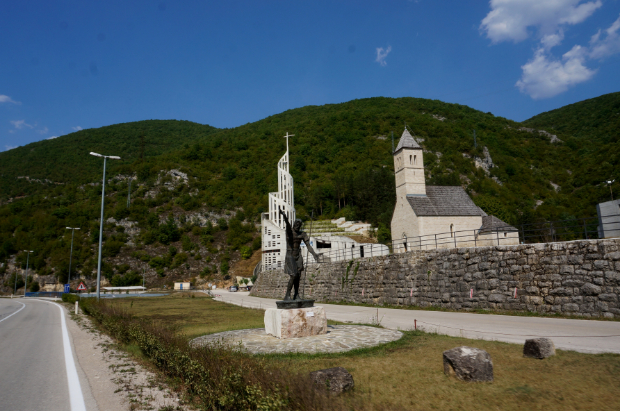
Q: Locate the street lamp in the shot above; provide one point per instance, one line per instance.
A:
(26, 276)
(101, 222)
(609, 183)
(71, 254)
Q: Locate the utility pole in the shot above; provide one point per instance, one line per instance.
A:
(71, 254)
(101, 221)
(26, 276)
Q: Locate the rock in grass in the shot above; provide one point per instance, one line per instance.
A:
(538, 348)
(336, 380)
(468, 364)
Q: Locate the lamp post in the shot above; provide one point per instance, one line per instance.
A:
(71, 254)
(101, 222)
(26, 276)
(609, 183)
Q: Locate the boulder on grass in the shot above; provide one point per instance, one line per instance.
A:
(336, 380)
(538, 348)
(468, 364)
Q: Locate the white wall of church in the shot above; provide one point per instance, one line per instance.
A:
(404, 220)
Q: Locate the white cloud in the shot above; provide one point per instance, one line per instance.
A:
(7, 99)
(51, 138)
(19, 124)
(545, 77)
(382, 54)
(551, 40)
(608, 44)
(44, 130)
(7, 147)
(77, 128)
(511, 19)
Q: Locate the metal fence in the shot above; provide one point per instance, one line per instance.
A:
(51, 294)
(537, 232)
(570, 229)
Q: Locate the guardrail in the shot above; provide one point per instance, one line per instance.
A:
(49, 294)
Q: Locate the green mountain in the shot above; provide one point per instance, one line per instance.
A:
(592, 130)
(66, 159)
(340, 158)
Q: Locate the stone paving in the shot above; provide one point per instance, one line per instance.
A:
(339, 338)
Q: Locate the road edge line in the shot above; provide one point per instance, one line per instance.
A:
(73, 380)
(23, 306)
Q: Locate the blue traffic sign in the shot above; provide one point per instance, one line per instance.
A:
(67, 288)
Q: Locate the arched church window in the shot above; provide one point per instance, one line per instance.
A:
(451, 230)
(410, 160)
(415, 159)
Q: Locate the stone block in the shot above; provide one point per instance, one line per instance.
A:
(590, 289)
(335, 380)
(468, 364)
(540, 348)
(497, 298)
(295, 323)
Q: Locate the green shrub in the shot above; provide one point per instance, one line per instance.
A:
(216, 377)
(246, 252)
(70, 298)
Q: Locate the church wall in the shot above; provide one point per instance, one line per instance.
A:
(463, 227)
(404, 220)
(577, 278)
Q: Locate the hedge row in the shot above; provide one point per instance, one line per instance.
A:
(214, 377)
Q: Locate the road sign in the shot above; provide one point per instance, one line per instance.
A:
(81, 287)
(67, 288)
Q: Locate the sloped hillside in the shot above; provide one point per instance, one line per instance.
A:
(185, 175)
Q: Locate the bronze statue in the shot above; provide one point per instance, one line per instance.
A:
(294, 262)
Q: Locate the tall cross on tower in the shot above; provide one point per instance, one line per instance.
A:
(287, 136)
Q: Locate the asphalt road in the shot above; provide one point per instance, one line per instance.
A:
(34, 371)
(588, 336)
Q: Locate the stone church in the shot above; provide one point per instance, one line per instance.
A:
(427, 217)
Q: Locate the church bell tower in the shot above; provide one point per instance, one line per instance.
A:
(409, 168)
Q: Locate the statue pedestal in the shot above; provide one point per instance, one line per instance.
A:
(296, 322)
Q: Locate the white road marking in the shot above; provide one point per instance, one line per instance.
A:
(75, 389)
(23, 306)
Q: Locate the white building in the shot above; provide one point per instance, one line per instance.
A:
(428, 217)
(272, 223)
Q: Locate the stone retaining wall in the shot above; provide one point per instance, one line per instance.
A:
(576, 278)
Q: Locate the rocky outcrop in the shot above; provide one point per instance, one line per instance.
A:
(468, 364)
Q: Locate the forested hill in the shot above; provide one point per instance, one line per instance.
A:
(340, 155)
(66, 159)
(594, 125)
(341, 159)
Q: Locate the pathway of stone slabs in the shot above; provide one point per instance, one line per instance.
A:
(339, 338)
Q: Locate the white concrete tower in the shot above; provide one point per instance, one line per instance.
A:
(409, 167)
(273, 226)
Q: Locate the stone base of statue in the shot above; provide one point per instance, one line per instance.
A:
(288, 304)
(295, 322)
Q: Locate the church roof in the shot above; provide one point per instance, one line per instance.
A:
(406, 141)
(444, 201)
(492, 223)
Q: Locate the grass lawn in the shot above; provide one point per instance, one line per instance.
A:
(408, 374)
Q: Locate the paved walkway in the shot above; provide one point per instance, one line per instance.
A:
(339, 338)
(588, 336)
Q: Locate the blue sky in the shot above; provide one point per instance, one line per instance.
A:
(70, 65)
